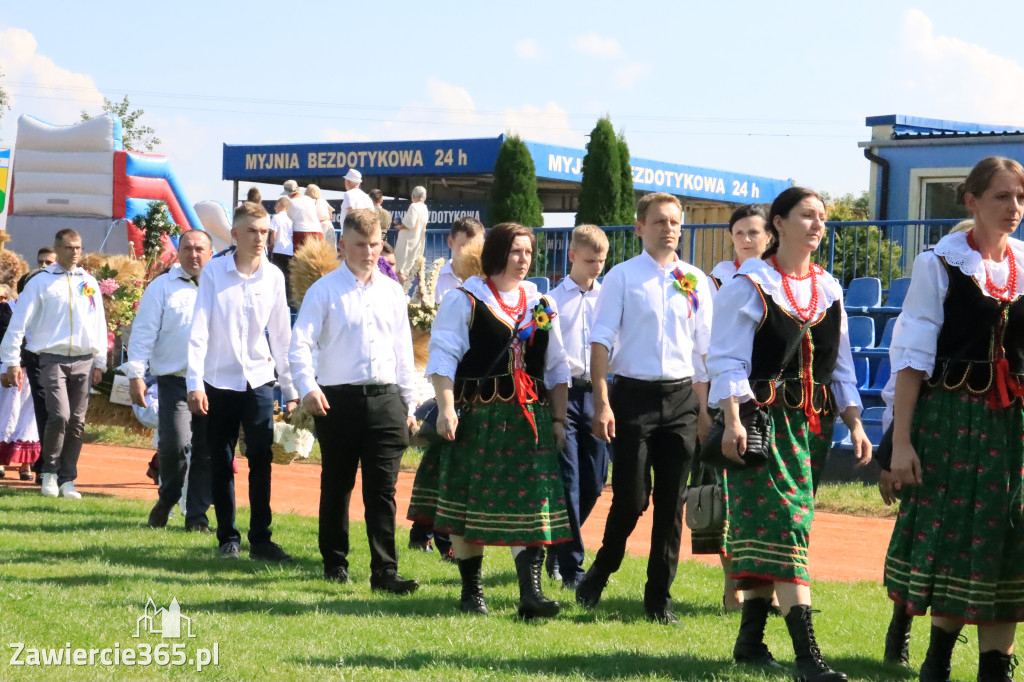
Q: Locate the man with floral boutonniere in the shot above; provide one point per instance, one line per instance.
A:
(653, 319)
(60, 317)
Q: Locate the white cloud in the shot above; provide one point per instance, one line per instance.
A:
(628, 75)
(954, 79)
(37, 86)
(527, 48)
(549, 124)
(594, 45)
(332, 135)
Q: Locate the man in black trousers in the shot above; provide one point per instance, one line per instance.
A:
(360, 392)
(655, 311)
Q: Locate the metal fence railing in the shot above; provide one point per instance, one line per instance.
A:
(866, 248)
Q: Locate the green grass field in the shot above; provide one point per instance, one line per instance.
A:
(81, 572)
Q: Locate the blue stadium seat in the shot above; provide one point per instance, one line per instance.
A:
(862, 366)
(872, 420)
(863, 293)
(841, 436)
(897, 294)
(881, 378)
(543, 283)
(883, 344)
(872, 415)
(862, 332)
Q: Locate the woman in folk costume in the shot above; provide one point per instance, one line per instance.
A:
(781, 302)
(501, 377)
(958, 431)
(750, 239)
(19, 436)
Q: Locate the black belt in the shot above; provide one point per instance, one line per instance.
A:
(368, 390)
(662, 387)
(582, 384)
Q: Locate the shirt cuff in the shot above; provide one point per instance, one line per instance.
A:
(728, 385)
(306, 386)
(443, 364)
(552, 379)
(134, 369)
(846, 395)
(903, 358)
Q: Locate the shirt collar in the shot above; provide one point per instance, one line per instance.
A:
(347, 273)
(572, 285)
(648, 258)
(233, 266)
(56, 269)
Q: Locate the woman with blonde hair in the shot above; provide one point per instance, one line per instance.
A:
(958, 431)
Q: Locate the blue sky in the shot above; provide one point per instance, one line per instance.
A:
(739, 86)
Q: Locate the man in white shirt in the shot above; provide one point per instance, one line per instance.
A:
(279, 242)
(584, 461)
(353, 198)
(60, 316)
(302, 213)
(463, 232)
(230, 375)
(412, 235)
(159, 333)
(362, 406)
(654, 311)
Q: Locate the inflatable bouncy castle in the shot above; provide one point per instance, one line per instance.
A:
(80, 177)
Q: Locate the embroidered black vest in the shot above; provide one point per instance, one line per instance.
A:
(776, 331)
(485, 372)
(976, 330)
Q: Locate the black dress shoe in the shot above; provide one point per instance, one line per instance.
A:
(393, 583)
(662, 616)
(336, 574)
(197, 528)
(159, 514)
(588, 591)
(269, 551)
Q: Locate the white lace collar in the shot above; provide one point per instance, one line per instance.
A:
(768, 278)
(954, 249)
(724, 271)
(478, 287)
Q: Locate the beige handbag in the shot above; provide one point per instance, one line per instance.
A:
(705, 508)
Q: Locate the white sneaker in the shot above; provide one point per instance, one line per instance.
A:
(68, 490)
(50, 485)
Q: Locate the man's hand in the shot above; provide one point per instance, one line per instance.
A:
(316, 402)
(289, 408)
(703, 425)
(97, 375)
(603, 425)
(411, 424)
(198, 403)
(137, 389)
(887, 488)
(14, 376)
(558, 430)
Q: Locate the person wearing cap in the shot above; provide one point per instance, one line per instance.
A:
(302, 212)
(412, 234)
(354, 198)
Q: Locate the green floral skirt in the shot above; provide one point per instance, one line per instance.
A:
(493, 485)
(958, 544)
(770, 507)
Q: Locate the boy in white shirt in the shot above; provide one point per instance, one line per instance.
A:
(584, 461)
(230, 375)
(279, 243)
(362, 405)
(655, 312)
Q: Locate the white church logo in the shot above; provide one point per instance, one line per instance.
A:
(168, 623)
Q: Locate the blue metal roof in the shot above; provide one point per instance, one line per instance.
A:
(915, 126)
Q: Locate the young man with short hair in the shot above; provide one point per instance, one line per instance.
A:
(230, 375)
(383, 215)
(362, 406)
(279, 242)
(653, 318)
(60, 316)
(159, 333)
(584, 461)
(464, 231)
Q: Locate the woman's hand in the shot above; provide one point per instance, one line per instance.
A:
(447, 423)
(905, 467)
(734, 441)
(558, 430)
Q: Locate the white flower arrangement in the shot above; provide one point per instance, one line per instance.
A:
(293, 439)
(417, 269)
(429, 282)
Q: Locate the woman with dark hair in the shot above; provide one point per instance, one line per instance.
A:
(772, 305)
(958, 431)
(254, 196)
(750, 238)
(501, 375)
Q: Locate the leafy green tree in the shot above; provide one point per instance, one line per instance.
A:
(135, 136)
(154, 225)
(627, 201)
(514, 195)
(601, 185)
(861, 251)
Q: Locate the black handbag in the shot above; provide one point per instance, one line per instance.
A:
(755, 420)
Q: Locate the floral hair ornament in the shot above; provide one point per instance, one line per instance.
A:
(85, 290)
(541, 319)
(686, 283)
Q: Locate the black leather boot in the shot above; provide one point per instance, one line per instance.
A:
(809, 665)
(936, 666)
(472, 593)
(750, 647)
(897, 638)
(532, 602)
(995, 666)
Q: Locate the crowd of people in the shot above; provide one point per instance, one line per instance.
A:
(659, 360)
